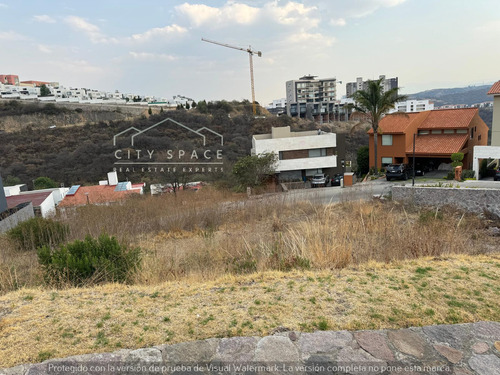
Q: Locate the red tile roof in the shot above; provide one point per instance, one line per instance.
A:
(495, 89)
(449, 118)
(435, 119)
(441, 144)
(98, 194)
(396, 122)
(36, 198)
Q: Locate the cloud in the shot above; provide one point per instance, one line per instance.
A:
(363, 8)
(2, 5)
(89, 29)
(292, 13)
(12, 36)
(159, 32)
(146, 56)
(489, 28)
(44, 18)
(317, 38)
(231, 13)
(338, 22)
(43, 48)
(77, 66)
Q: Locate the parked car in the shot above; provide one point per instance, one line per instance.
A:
(319, 179)
(336, 180)
(421, 170)
(401, 171)
(497, 175)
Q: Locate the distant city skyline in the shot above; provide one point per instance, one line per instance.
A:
(156, 49)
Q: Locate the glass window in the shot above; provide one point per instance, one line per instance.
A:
(462, 131)
(386, 161)
(436, 132)
(422, 132)
(317, 152)
(387, 140)
(449, 131)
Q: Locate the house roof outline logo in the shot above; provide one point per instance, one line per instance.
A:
(139, 132)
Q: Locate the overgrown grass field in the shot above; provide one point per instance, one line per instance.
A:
(215, 264)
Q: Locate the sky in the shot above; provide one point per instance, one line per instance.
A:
(154, 47)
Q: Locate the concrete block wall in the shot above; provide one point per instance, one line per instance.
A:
(22, 215)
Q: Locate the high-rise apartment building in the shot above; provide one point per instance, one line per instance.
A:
(308, 95)
(352, 87)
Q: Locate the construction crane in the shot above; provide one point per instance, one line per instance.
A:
(250, 55)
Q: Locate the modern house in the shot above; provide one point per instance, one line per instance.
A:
(43, 202)
(302, 154)
(439, 133)
(309, 97)
(108, 191)
(495, 126)
(11, 216)
(493, 151)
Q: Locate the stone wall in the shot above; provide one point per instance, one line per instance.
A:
(11, 221)
(465, 349)
(469, 199)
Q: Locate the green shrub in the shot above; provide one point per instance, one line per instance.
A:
(468, 173)
(37, 232)
(90, 261)
(450, 175)
(456, 159)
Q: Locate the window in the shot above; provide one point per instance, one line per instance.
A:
(387, 140)
(317, 152)
(386, 161)
(479, 137)
(281, 155)
(462, 131)
(449, 131)
(423, 132)
(472, 133)
(436, 132)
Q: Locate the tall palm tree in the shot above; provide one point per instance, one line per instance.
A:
(376, 103)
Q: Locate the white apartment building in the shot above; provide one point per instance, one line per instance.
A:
(277, 103)
(300, 154)
(413, 106)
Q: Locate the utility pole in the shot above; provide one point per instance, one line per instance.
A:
(250, 55)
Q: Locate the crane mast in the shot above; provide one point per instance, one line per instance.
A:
(250, 55)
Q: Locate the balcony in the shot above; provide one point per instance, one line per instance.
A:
(307, 163)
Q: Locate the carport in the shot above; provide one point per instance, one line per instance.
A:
(484, 152)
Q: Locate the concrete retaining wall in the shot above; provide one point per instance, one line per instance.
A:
(469, 199)
(11, 221)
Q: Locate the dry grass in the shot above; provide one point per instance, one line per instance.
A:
(432, 290)
(204, 235)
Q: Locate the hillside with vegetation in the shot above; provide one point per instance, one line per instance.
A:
(82, 153)
(461, 95)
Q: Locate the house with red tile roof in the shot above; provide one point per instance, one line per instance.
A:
(107, 192)
(439, 133)
(495, 128)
